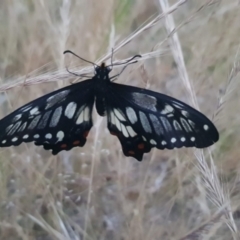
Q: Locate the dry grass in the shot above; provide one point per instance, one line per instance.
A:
(190, 51)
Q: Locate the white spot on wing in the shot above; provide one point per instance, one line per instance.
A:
(48, 136)
(70, 110)
(185, 113)
(112, 118)
(131, 131)
(183, 139)
(144, 139)
(56, 117)
(22, 127)
(119, 115)
(131, 115)
(191, 123)
(34, 122)
(192, 139)
(14, 139)
(34, 111)
(167, 109)
(164, 143)
(205, 127)
(145, 123)
(118, 124)
(185, 125)
(25, 109)
(145, 101)
(15, 128)
(86, 114)
(9, 127)
(43, 122)
(178, 105)
(166, 124)
(4, 141)
(17, 117)
(52, 100)
(26, 136)
(156, 124)
(173, 140)
(36, 136)
(176, 125)
(80, 117)
(60, 136)
(124, 130)
(153, 142)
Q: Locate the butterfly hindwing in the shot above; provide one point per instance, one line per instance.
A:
(143, 119)
(59, 120)
(132, 143)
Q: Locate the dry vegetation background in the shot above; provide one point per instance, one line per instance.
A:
(94, 192)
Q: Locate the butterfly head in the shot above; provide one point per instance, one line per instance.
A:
(102, 71)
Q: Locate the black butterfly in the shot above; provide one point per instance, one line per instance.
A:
(140, 118)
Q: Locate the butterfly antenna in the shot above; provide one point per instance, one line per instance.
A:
(129, 60)
(77, 75)
(123, 69)
(68, 51)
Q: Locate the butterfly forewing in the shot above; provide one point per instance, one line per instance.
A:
(143, 119)
(59, 121)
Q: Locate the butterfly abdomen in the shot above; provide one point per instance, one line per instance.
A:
(101, 106)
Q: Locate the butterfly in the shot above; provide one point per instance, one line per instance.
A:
(141, 119)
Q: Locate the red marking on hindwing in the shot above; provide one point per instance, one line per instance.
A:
(77, 142)
(85, 134)
(141, 146)
(114, 133)
(131, 152)
(63, 146)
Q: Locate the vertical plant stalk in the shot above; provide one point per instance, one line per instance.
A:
(176, 48)
(94, 157)
(209, 176)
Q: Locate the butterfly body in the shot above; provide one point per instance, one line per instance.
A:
(141, 119)
(101, 86)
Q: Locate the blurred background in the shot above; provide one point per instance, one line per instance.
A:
(95, 192)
